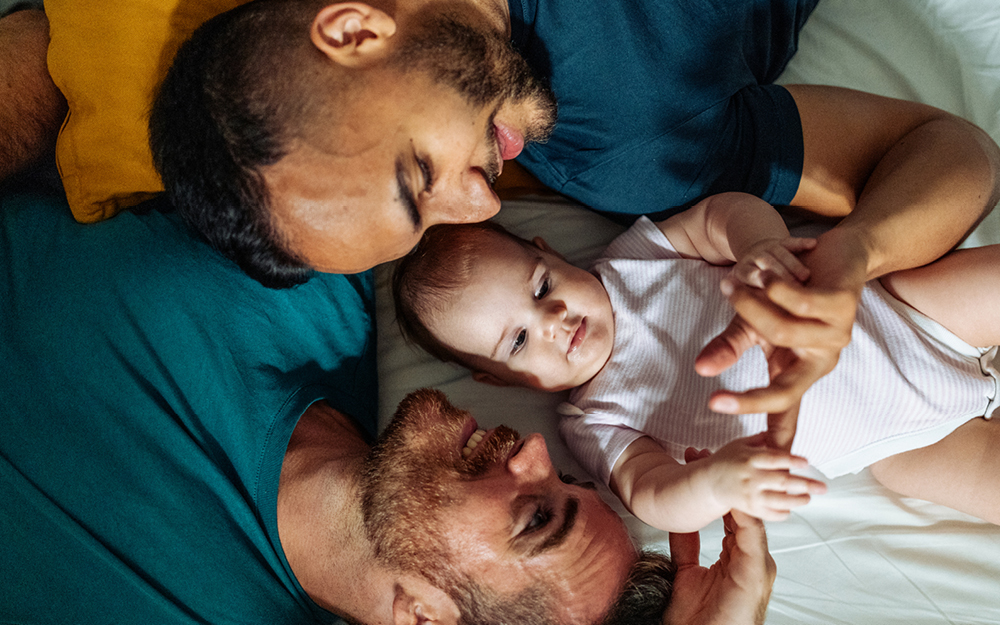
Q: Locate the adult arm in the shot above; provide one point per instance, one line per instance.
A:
(910, 181)
(33, 108)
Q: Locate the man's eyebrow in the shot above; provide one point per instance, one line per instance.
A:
(558, 537)
(406, 196)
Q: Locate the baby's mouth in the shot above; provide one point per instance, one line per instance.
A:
(578, 337)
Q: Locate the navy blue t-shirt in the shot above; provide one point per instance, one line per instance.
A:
(664, 102)
(147, 396)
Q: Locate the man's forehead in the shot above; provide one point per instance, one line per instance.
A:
(356, 140)
(354, 179)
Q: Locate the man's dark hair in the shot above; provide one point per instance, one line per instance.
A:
(647, 592)
(643, 599)
(228, 107)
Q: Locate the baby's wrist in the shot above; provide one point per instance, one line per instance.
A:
(709, 476)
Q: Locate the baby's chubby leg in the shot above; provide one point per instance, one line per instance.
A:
(961, 471)
(958, 291)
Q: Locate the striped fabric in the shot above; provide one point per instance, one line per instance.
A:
(903, 382)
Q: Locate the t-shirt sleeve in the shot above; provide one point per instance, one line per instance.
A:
(750, 142)
(596, 445)
(682, 106)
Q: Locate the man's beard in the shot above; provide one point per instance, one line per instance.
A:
(408, 478)
(482, 66)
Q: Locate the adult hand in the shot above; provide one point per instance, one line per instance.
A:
(802, 328)
(733, 591)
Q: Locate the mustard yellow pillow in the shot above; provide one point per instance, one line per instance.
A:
(107, 57)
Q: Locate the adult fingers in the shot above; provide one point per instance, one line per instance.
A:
(750, 274)
(725, 349)
(781, 427)
(788, 315)
(827, 305)
(784, 392)
(751, 539)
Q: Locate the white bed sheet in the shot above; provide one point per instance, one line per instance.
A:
(859, 554)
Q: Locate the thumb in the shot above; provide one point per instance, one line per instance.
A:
(724, 350)
(781, 427)
(685, 549)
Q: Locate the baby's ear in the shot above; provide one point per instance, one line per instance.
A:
(541, 244)
(489, 378)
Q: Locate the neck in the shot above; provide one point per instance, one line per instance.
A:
(319, 518)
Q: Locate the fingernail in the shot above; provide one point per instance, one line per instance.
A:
(727, 287)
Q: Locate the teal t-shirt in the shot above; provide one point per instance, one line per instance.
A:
(148, 392)
(664, 102)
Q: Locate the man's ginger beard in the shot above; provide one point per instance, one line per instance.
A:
(408, 476)
(406, 482)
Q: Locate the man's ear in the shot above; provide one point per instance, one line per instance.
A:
(489, 378)
(352, 34)
(418, 602)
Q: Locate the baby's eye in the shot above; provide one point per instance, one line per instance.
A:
(543, 289)
(519, 341)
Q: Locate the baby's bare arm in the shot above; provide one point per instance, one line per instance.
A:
(959, 471)
(646, 477)
(722, 228)
(743, 475)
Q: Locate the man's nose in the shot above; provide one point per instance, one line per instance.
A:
(469, 199)
(532, 462)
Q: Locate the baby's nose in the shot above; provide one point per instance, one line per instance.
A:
(555, 320)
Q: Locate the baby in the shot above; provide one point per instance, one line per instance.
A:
(903, 398)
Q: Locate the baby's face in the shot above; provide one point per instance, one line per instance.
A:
(529, 318)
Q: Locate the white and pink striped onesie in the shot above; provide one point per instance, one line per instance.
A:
(902, 383)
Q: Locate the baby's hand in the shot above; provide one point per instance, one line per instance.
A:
(774, 256)
(750, 477)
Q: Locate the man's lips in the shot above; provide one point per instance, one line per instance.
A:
(509, 140)
(578, 336)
